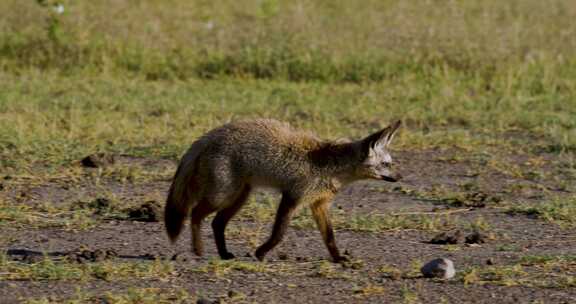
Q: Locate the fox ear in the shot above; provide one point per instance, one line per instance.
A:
(392, 128)
(382, 138)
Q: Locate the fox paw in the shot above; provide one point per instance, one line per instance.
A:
(227, 256)
(341, 259)
(259, 255)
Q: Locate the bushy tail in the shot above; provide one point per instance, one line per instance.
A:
(180, 200)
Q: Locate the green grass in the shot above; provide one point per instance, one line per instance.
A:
(531, 271)
(162, 119)
(60, 270)
(220, 268)
(559, 210)
(379, 223)
(21, 215)
(461, 74)
(470, 196)
(320, 40)
(130, 296)
(482, 78)
(409, 296)
(76, 116)
(75, 215)
(264, 210)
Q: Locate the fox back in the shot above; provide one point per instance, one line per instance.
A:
(267, 153)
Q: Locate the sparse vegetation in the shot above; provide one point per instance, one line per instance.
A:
(76, 215)
(560, 210)
(409, 296)
(221, 268)
(530, 271)
(471, 198)
(486, 90)
(43, 216)
(263, 211)
(455, 88)
(130, 296)
(60, 269)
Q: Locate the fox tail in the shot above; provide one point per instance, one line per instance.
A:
(180, 200)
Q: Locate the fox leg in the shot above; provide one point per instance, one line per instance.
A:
(201, 211)
(283, 215)
(221, 220)
(322, 218)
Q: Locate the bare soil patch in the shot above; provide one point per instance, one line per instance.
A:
(451, 185)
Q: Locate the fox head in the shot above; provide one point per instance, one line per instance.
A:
(377, 162)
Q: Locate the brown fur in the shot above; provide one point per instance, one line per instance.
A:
(220, 169)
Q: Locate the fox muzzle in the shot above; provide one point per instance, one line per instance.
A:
(392, 178)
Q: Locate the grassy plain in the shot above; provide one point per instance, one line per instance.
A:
(487, 91)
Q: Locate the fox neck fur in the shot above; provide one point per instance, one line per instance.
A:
(337, 162)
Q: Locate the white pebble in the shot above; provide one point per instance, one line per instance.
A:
(439, 268)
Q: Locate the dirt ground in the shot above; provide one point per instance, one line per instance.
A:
(385, 261)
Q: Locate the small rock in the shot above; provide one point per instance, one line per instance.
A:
(490, 261)
(439, 268)
(393, 275)
(473, 245)
(150, 211)
(352, 264)
(32, 258)
(178, 257)
(101, 205)
(233, 293)
(98, 160)
(149, 256)
(22, 195)
(83, 255)
(480, 199)
(207, 301)
(476, 237)
(99, 255)
(444, 238)
(476, 199)
(301, 259)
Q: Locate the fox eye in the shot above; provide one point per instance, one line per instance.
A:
(386, 164)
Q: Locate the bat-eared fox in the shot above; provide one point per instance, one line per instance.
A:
(222, 167)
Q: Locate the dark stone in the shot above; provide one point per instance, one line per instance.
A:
(476, 237)
(233, 293)
(178, 257)
(444, 238)
(98, 160)
(90, 256)
(150, 211)
(204, 301)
